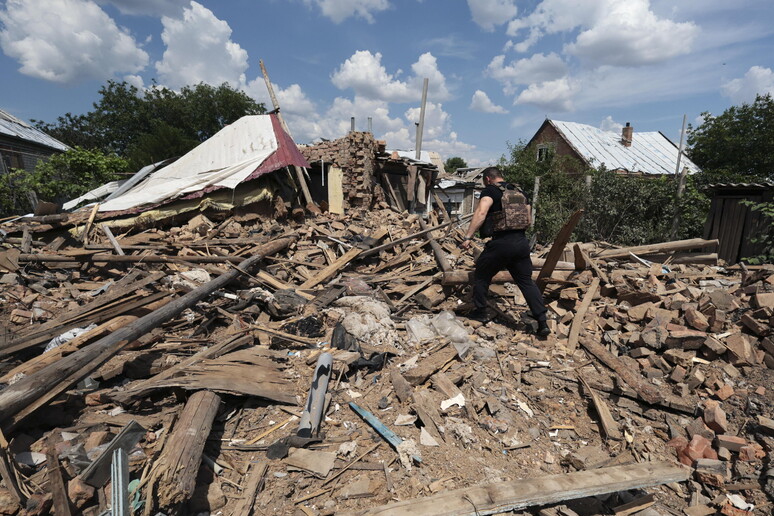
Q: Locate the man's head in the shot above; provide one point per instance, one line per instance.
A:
(492, 175)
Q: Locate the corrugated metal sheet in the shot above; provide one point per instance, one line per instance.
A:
(12, 126)
(650, 152)
(763, 185)
(246, 136)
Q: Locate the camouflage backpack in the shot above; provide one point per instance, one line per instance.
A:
(515, 213)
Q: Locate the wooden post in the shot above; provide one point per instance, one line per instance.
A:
(535, 191)
(310, 205)
(421, 126)
(440, 256)
(27, 390)
(681, 184)
(182, 455)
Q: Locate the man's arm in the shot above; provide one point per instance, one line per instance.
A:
(484, 203)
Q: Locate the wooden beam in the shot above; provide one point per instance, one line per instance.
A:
(557, 248)
(527, 492)
(577, 321)
(645, 390)
(664, 247)
(182, 454)
(255, 482)
(440, 256)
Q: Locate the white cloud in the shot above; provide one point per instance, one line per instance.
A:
(535, 69)
(340, 10)
(613, 32)
(552, 95)
(481, 102)
(631, 35)
(757, 81)
(199, 49)
(148, 7)
(489, 13)
(365, 74)
(67, 41)
(610, 125)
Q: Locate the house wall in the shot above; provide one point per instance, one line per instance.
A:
(16, 153)
(355, 155)
(549, 135)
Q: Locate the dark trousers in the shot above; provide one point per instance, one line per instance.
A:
(511, 252)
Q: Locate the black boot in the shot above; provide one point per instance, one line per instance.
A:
(480, 315)
(543, 330)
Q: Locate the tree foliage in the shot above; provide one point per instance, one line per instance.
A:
(737, 145)
(61, 178)
(453, 163)
(125, 119)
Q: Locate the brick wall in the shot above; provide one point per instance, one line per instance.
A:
(355, 155)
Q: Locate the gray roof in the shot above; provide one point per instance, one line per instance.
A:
(12, 126)
(650, 152)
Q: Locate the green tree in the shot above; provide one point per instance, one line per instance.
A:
(61, 178)
(737, 145)
(452, 164)
(124, 113)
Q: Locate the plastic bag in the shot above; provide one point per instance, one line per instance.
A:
(419, 329)
(447, 325)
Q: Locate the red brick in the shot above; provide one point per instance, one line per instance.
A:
(714, 417)
(730, 442)
(725, 392)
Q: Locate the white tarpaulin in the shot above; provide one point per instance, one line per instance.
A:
(225, 160)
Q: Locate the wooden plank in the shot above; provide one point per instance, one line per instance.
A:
(518, 494)
(609, 425)
(557, 248)
(577, 321)
(335, 190)
(429, 365)
(255, 482)
(61, 504)
(112, 239)
(84, 237)
(280, 285)
(425, 408)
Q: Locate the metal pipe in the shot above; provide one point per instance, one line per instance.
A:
(313, 410)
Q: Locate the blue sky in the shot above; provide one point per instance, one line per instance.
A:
(497, 68)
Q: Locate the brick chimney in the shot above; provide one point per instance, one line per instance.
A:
(626, 135)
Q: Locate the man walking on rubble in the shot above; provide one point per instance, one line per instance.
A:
(503, 213)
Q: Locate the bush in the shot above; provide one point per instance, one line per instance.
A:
(61, 178)
(766, 237)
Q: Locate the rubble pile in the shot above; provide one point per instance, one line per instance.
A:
(237, 365)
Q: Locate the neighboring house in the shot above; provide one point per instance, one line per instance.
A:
(646, 153)
(459, 190)
(22, 146)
